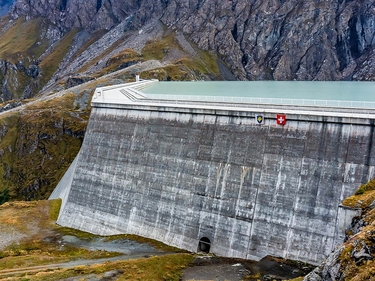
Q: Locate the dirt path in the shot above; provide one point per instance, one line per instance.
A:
(71, 264)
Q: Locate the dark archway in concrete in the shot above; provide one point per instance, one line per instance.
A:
(204, 245)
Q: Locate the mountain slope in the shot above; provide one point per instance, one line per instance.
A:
(45, 43)
(54, 60)
(50, 46)
(273, 39)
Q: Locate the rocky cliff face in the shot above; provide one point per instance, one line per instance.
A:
(273, 39)
(355, 259)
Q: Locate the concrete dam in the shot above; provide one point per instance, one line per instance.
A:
(208, 176)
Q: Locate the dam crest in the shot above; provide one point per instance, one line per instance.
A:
(205, 175)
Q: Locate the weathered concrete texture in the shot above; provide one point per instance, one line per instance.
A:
(344, 221)
(253, 190)
(63, 188)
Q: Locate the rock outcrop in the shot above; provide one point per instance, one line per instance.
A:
(355, 259)
(273, 39)
(248, 40)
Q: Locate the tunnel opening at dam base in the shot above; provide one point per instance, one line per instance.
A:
(204, 245)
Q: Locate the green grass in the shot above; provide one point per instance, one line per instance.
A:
(158, 49)
(185, 68)
(363, 197)
(37, 150)
(36, 253)
(54, 209)
(160, 268)
(366, 187)
(114, 63)
(33, 249)
(296, 279)
(24, 42)
(20, 39)
(4, 196)
(352, 269)
(209, 61)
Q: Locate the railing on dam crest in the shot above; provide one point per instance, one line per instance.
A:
(269, 101)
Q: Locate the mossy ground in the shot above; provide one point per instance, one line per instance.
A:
(184, 67)
(363, 197)
(23, 44)
(121, 60)
(297, 279)
(22, 39)
(37, 146)
(360, 269)
(161, 268)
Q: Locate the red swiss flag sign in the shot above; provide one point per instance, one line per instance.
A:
(281, 119)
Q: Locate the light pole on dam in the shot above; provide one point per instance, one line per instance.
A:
(206, 175)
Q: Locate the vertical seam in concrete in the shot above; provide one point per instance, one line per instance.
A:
(206, 191)
(346, 156)
(320, 160)
(365, 175)
(256, 195)
(223, 184)
(244, 171)
(290, 224)
(342, 186)
(340, 133)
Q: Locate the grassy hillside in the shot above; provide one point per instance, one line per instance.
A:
(177, 65)
(39, 141)
(37, 145)
(21, 47)
(23, 40)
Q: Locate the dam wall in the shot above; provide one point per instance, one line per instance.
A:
(178, 175)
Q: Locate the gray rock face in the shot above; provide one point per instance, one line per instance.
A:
(273, 39)
(93, 15)
(10, 76)
(357, 249)
(251, 190)
(282, 40)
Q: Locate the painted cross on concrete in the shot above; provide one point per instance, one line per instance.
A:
(281, 119)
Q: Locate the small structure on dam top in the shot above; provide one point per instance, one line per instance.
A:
(216, 172)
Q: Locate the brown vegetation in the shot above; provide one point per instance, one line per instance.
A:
(28, 234)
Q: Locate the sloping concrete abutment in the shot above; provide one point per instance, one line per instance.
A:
(179, 172)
